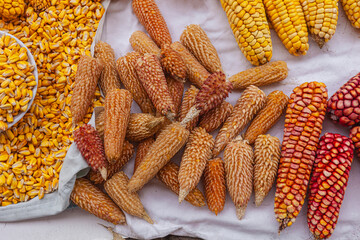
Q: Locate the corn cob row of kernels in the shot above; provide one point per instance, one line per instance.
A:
(142, 43)
(352, 10)
(355, 137)
(173, 64)
(213, 119)
(100, 121)
(12, 9)
(141, 151)
(142, 125)
(187, 102)
(176, 90)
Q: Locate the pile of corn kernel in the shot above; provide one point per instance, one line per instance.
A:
(32, 151)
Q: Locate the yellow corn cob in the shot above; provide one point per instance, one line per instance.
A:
(141, 43)
(39, 5)
(141, 151)
(213, 119)
(288, 20)
(248, 22)
(352, 10)
(187, 103)
(143, 125)
(176, 90)
(12, 9)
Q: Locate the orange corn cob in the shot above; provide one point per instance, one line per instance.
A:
(187, 103)
(142, 43)
(100, 120)
(39, 5)
(141, 151)
(93, 200)
(173, 64)
(303, 124)
(355, 137)
(176, 90)
(213, 119)
(143, 125)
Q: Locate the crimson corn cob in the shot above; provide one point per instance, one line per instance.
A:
(355, 137)
(352, 10)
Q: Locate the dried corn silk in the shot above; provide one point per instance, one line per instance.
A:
(176, 90)
(213, 119)
(187, 102)
(141, 151)
(142, 43)
(143, 125)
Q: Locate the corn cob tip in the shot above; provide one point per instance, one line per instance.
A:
(319, 40)
(171, 116)
(284, 223)
(240, 212)
(147, 218)
(259, 198)
(103, 172)
(192, 114)
(182, 194)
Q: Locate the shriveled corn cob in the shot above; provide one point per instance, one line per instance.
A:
(86, 79)
(93, 200)
(352, 10)
(141, 151)
(173, 64)
(100, 120)
(12, 9)
(303, 124)
(150, 17)
(109, 78)
(238, 159)
(196, 73)
(215, 188)
(198, 43)
(213, 119)
(248, 22)
(246, 107)
(355, 137)
(275, 105)
(259, 76)
(176, 90)
(117, 112)
(187, 102)
(126, 68)
(142, 43)
(40, 5)
(167, 144)
(328, 183)
(143, 125)
(116, 188)
(197, 152)
(266, 161)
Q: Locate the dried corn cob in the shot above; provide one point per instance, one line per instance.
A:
(126, 155)
(248, 22)
(266, 161)
(215, 188)
(328, 183)
(86, 78)
(173, 64)
(187, 103)
(141, 151)
(39, 5)
(259, 76)
(198, 43)
(109, 78)
(213, 119)
(351, 8)
(143, 125)
(303, 124)
(274, 107)
(153, 79)
(100, 120)
(150, 17)
(355, 137)
(288, 20)
(141, 43)
(238, 159)
(196, 73)
(343, 106)
(246, 107)
(116, 188)
(167, 144)
(176, 90)
(117, 112)
(126, 68)
(12, 9)
(169, 176)
(197, 152)
(93, 200)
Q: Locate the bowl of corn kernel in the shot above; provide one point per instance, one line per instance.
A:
(18, 80)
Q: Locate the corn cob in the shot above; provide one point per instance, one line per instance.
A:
(173, 64)
(355, 137)
(266, 161)
(246, 107)
(169, 176)
(117, 112)
(109, 78)
(126, 68)
(93, 200)
(153, 79)
(187, 103)
(238, 159)
(328, 183)
(215, 188)
(213, 119)
(100, 120)
(141, 151)
(141, 43)
(197, 152)
(248, 22)
(303, 124)
(86, 78)
(196, 73)
(39, 5)
(288, 20)
(343, 106)
(260, 76)
(126, 155)
(150, 17)
(116, 188)
(167, 144)
(351, 8)
(12, 9)
(274, 107)
(143, 125)
(176, 90)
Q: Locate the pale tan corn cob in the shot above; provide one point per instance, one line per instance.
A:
(150, 17)
(117, 112)
(213, 119)
(238, 158)
(126, 68)
(352, 10)
(266, 161)
(86, 78)
(197, 152)
(275, 105)
(169, 176)
(196, 73)
(109, 78)
(100, 120)
(167, 144)
(142, 43)
(141, 151)
(143, 125)
(246, 107)
(260, 76)
(93, 200)
(116, 188)
(198, 43)
(187, 102)
(126, 155)
(215, 188)
(173, 64)
(176, 90)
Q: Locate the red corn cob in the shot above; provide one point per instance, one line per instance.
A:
(355, 137)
